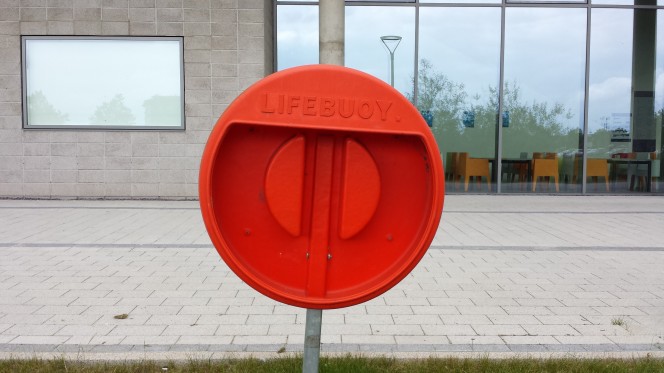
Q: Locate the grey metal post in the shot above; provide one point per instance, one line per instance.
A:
(312, 341)
(331, 51)
(392, 68)
(388, 41)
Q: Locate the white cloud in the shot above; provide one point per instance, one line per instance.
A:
(609, 96)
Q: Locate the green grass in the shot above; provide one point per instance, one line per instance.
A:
(343, 365)
(619, 321)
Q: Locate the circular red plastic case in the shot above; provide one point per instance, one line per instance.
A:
(321, 186)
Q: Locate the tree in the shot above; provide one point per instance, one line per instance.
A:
(42, 112)
(443, 98)
(536, 126)
(113, 112)
(533, 127)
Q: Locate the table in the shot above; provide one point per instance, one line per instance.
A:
(528, 162)
(614, 162)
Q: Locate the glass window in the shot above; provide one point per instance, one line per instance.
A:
(461, 1)
(103, 82)
(625, 101)
(629, 2)
(547, 1)
(297, 35)
(453, 78)
(543, 97)
(657, 165)
(381, 1)
(609, 104)
(458, 83)
(366, 52)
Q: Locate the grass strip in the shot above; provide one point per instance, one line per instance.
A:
(345, 364)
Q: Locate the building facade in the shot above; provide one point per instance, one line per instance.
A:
(226, 47)
(522, 96)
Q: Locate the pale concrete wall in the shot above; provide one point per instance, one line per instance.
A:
(224, 42)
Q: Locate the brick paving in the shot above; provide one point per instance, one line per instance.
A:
(504, 275)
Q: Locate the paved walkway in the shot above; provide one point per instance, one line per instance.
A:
(504, 275)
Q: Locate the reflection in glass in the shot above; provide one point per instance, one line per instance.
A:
(656, 157)
(543, 92)
(297, 35)
(546, 1)
(625, 101)
(366, 52)
(628, 2)
(609, 104)
(458, 76)
(81, 82)
(543, 97)
(113, 111)
(42, 112)
(461, 1)
(391, 42)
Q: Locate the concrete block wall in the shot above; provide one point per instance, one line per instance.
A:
(224, 52)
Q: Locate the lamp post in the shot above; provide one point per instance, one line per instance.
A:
(391, 40)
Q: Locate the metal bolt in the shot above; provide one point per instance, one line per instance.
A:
(329, 256)
(307, 255)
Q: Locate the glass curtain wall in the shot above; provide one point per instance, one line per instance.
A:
(543, 98)
(579, 85)
(609, 104)
(297, 35)
(365, 51)
(625, 101)
(458, 78)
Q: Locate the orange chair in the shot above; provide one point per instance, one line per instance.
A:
(545, 167)
(473, 167)
(596, 168)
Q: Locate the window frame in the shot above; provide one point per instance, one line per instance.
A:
(24, 81)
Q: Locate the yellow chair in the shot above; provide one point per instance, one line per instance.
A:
(473, 167)
(597, 168)
(545, 167)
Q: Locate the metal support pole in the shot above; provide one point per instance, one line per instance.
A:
(391, 42)
(331, 51)
(392, 68)
(312, 341)
(331, 32)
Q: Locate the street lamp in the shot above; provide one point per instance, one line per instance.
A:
(391, 42)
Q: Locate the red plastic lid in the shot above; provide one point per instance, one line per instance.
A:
(321, 186)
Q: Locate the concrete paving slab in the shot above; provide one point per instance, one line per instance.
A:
(534, 274)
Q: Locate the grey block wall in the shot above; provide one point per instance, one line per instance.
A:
(224, 42)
